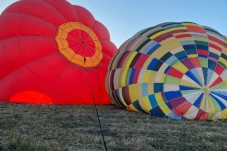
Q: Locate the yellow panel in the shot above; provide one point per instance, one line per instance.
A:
(145, 104)
(150, 88)
(179, 49)
(126, 66)
(224, 114)
(176, 28)
(129, 59)
(75, 25)
(181, 67)
(192, 56)
(173, 45)
(191, 24)
(139, 91)
(88, 62)
(158, 34)
(183, 82)
(160, 52)
(202, 105)
(133, 91)
(211, 107)
(168, 40)
(166, 31)
(159, 76)
(62, 44)
(67, 29)
(62, 34)
(68, 52)
(161, 103)
(193, 38)
(146, 76)
(181, 33)
(132, 108)
(223, 61)
(224, 51)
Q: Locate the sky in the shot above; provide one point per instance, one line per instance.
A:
(124, 18)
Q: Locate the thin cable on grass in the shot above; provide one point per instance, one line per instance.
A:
(96, 110)
(97, 114)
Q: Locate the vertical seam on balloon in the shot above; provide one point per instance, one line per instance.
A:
(20, 13)
(58, 10)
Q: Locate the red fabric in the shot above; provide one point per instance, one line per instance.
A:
(203, 52)
(32, 68)
(175, 73)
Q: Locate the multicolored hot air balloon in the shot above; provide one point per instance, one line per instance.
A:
(52, 52)
(176, 70)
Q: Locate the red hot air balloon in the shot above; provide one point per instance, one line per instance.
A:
(53, 52)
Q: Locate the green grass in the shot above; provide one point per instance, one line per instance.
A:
(59, 128)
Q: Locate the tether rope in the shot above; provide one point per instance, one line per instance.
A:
(97, 114)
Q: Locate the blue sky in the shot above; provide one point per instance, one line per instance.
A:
(124, 18)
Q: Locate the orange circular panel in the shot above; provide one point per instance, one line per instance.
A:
(79, 52)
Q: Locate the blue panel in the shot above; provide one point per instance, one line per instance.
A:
(188, 42)
(213, 55)
(210, 74)
(196, 74)
(221, 94)
(152, 64)
(133, 71)
(181, 55)
(172, 94)
(167, 69)
(203, 47)
(205, 75)
(202, 56)
(224, 56)
(158, 87)
(174, 116)
(171, 60)
(137, 106)
(157, 112)
(211, 64)
(166, 56)
(152, 100)
(198, 101)
(219, 102)
(144, 89)
(192, 76)
(191, 51)
(155, 65)
(150, 47)
(153, 49)
(182, 87)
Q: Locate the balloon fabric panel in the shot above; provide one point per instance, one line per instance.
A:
(53, 52)
(175, 70)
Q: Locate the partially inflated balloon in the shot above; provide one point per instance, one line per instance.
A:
(176, 70)
(53, 52)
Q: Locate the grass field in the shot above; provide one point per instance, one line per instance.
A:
(44, 128)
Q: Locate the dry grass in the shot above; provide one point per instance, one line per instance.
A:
(40, 128)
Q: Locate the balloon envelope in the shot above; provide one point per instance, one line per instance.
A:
(176, 70)
(53, 52)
